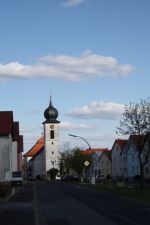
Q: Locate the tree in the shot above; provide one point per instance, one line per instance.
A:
(53, 172)
(66, 158)
(136, 121)
(73, 159)
(78, 160)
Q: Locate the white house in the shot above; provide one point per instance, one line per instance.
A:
(35, 161)
(11, 146)
(105, 165)
(119, 160)
(133, 146)
(146, 156)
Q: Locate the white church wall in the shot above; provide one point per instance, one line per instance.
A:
(51, 146)
(39, 165)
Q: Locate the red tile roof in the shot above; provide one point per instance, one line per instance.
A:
(36, 148)
(6, 122)
(121, 143)
(90, 151)
(137, 139)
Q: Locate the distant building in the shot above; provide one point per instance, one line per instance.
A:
(105, 164)
(132, 148)
(146, 156)
(11, 146)
(94, 153)
(35, 165)
(45, 155)
(119, 159)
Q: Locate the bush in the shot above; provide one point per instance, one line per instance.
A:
(5, 189)
(53, 172)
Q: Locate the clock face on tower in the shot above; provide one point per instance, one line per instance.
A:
(52, 126)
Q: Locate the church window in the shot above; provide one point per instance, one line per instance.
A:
(52, 134)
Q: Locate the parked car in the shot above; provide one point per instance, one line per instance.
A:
(100, 178)
(58, 177)
(17, 178)
(70, 178)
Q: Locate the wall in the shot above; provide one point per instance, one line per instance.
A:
(5, 158)
(14, 156)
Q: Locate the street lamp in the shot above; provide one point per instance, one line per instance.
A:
(91, 174)
(72, 135)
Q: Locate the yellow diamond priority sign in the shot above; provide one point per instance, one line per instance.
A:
(86, 163)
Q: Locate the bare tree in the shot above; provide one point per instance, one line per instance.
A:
(136, 121)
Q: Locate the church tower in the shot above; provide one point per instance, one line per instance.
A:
(51, 138)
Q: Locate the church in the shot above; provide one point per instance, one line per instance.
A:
(44, 155)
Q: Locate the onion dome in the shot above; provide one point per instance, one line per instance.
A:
(51, 114)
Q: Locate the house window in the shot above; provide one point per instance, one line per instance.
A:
(52, 134)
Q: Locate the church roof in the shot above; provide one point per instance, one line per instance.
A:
(51, 114)
(36, 148)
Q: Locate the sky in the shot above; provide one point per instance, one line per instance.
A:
(90, 56)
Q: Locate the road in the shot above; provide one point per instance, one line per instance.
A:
(46, 203)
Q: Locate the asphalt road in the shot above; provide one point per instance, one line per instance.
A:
(45, 203)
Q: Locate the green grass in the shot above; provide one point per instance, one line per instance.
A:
(133, 192)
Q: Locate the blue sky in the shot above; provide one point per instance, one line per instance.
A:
(92, 56)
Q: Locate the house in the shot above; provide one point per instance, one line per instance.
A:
(104, 163)
(11, 146)
(94, 155)
(132, 149)
(35, 161)
(119, 159)
(146, 156)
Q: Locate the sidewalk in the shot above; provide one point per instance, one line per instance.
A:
(2, 206)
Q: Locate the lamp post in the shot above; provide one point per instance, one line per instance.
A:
(72, 135)
(92, 177)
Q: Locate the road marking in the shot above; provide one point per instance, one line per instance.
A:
(36, 217)
(125, 219)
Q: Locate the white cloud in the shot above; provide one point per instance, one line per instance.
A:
(71, 68)
(69, 125)
(101, 110)
(30, 130)
(72, 3)
(34, 112)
